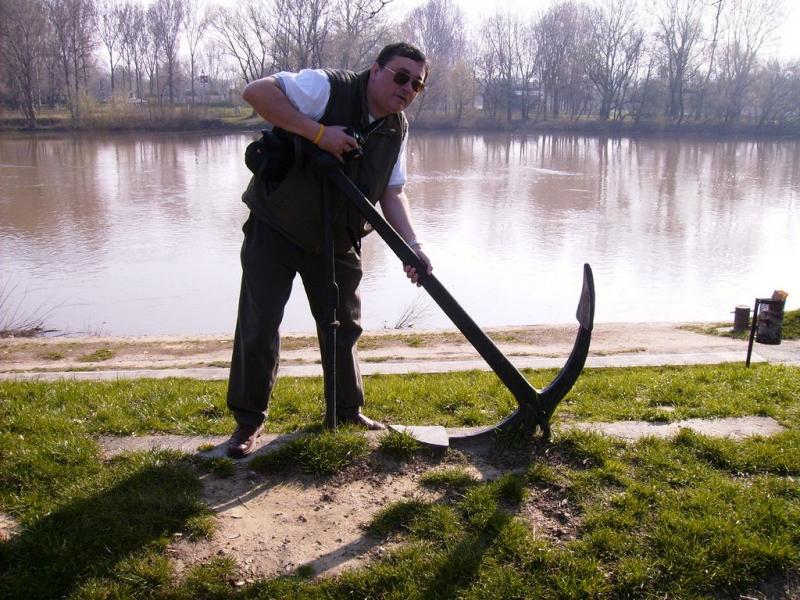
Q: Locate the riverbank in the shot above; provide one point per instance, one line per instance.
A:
(227, 119)
(382, 351)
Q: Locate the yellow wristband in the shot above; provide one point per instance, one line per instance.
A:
(318, 137)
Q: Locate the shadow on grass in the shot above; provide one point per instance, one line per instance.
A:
(89, 537)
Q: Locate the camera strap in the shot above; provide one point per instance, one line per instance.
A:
(372, 127)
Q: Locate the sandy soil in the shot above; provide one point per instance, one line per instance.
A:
(272, 525)
(8, 527)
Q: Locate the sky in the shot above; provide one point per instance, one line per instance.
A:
(787, 48)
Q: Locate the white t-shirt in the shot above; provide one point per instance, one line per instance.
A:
(309, 91)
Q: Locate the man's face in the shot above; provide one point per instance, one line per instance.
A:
(383, 94)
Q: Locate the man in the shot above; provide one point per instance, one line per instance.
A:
(283, 235)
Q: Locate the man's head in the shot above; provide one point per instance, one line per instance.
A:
(396, 77)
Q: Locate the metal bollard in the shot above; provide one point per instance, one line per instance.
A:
(741, 318)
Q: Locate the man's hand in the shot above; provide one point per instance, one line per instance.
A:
(412, 273)
(268, 100)
(335, 141)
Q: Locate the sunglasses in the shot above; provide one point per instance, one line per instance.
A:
(401, 78)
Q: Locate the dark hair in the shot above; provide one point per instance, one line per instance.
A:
(402, 49)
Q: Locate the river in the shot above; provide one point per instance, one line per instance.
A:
(139, 234)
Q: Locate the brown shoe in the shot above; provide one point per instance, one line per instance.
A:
(357, 418)
(243, 440)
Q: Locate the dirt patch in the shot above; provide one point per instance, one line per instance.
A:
(274, 524)
(375, 347)
(8, 527)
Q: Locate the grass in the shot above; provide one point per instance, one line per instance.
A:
(691, 517)
(398, 445)
(448, 479)
(17, 318)
(325, 453)
(98, 355)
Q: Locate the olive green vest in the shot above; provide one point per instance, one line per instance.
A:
(294, 207)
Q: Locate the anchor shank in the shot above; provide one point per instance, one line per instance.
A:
(524, 393)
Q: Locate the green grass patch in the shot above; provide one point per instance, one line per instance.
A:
(398, 445)
(448, 479)
(324, 453)
(52, 355)
(218, 465)
(186, 406)
(691, 517)
(98, 355)
(791, 324)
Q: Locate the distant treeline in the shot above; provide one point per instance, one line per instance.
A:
(608, 64)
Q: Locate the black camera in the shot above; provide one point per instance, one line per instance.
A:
(360, 139)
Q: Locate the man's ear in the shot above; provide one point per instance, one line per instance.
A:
(373, 70)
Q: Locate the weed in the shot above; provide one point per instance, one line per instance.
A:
(98, 355)
(305, 571)
(325, 453)
(399, 445)
(218, 465)
(540, 473)
(448, 479)
(396, 517)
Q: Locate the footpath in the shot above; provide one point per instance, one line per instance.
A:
(384, 351)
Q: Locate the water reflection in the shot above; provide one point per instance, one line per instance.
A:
(140, 233)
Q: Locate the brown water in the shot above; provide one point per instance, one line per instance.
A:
(140, 233)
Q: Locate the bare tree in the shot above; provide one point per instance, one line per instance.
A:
(134, 36)
(245, 33)
(195, 25)
(499, 33)
(110, 29)
(642, 87)
(167, 19)
(23, 24)
(614, 50)
(557, 32)
(526, 60)
(717, 8)
(463, 86)
(749, 25)
(359, 30)
(436, 27)
(73, 24)
(302, 26)
(680, 24)
(152, 47)
(777, 88)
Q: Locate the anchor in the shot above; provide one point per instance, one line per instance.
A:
(535, 407)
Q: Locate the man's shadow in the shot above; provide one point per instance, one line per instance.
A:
(89, 537)
(92, 537)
